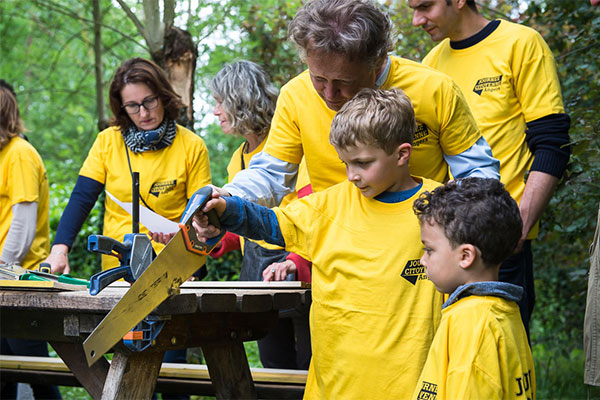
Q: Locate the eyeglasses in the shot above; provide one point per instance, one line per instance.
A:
(149, 104)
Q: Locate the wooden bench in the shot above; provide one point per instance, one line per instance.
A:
(173, 378)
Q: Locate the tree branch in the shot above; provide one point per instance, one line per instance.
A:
(134, 19)
(169, 14)
(50, 5)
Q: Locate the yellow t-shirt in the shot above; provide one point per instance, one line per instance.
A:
(509, 78)
(23, 179)
(168, 178)
(374, 312)
(302, 122)
(480, 351)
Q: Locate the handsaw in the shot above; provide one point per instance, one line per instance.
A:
(177, 262)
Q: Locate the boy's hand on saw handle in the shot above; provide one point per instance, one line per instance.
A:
(205, 228)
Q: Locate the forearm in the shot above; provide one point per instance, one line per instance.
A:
(230, 242)
(266, 181)
(21, 232)
(303, 267)
(548, 140)
(84, 196)
(252, 221)
(477, 161)
(539, 189)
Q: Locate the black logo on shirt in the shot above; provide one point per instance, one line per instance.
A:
(414, 271)
(162, 187)
(524, 384)
(490, 84)
(428, 391)
(420, 135)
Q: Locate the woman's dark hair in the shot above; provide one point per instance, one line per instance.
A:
(140, 70)
(11, 124)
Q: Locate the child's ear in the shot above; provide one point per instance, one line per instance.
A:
(403, 151)
(468, 254)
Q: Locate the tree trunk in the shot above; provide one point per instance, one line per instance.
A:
(179, 61)
(98, 68)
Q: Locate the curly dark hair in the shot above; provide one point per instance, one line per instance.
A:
(140, 70)
(475, 211)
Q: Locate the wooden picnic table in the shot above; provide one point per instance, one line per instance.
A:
(216, 316)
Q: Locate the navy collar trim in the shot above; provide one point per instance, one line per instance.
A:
(476, 38)
(397, 197)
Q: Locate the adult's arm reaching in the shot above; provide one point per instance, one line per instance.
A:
(266, 181)
(84, 196)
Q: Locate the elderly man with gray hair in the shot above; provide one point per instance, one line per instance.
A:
(345, 44)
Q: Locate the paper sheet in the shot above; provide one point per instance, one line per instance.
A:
(151, 220)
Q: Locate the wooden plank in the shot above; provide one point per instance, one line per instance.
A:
(168, 370)
(82, 301)
(230, 285)
(6, 284)
(246, 285)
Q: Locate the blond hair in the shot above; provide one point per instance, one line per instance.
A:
(376, 117)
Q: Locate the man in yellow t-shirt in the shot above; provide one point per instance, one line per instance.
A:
(508, 75)
(344, 55)
(373, 312)
(480, 350)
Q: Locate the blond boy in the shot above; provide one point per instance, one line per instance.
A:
(374, 312)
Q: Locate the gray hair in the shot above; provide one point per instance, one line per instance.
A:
(357, 28)
(375, 117)
(247, 95)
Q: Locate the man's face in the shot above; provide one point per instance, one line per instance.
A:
(336, 79)
(371, 169)
(439, 19)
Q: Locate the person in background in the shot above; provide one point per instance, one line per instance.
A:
(345, 44)
(480, 351)
(24, 224)
(143, 137)
(374, 312)
(509, 78)
(245, 101)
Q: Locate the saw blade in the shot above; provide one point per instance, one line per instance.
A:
(162, 279)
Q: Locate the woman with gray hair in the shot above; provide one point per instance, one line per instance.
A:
(245, 102)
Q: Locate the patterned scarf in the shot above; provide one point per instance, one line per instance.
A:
(139, 141)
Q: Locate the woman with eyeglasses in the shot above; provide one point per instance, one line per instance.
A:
(143, 137)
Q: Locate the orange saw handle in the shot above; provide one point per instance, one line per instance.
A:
(194, 206)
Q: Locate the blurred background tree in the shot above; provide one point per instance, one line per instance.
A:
(49, 52)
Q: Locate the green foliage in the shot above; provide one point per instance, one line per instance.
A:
(46, 52)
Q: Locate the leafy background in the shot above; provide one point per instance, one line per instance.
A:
(46, 51)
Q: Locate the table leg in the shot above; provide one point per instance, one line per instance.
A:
(132, 375)
(229, 371)
(91, 378)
